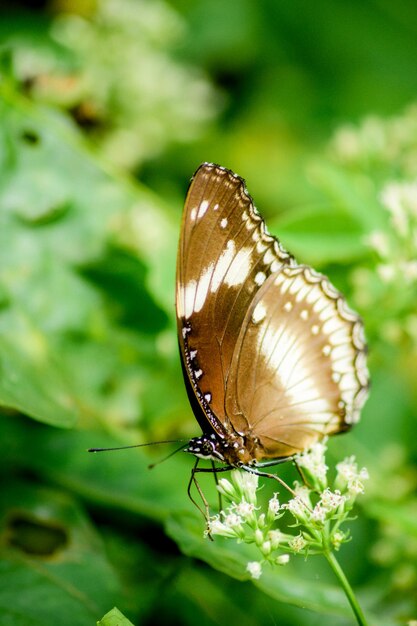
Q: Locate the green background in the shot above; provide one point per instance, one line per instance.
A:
(106, 109)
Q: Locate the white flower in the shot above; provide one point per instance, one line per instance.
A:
(337, 538)
(313, 463)
(255, 569)
(331, 500)
(409, 270)
(216, 527)
(297, 543)
(318, 514)
(378, 240)
(266, 548)
(247, 484)
(245, 509)
(346, 471)
(355, 487)
(282, 559)
(276, 537)
(302, 492)
(401, 201)
(273, 507)
(349, 477)
(259, 537)
(387, 272)
(232, 520)
(297, 507)
(226, 488)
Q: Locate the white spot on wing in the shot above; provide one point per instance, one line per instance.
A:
(223, 223)
(193, 214)
(260, 278)
(204, 204)
(202, 288)
(187, 296)
(239, 269)
(222, 265)
(259, 313)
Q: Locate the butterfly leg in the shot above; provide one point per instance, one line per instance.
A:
(253, 470)
(206, 512)
(216, 480)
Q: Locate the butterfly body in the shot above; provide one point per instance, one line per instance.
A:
(272, 356)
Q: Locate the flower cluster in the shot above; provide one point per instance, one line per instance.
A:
(396, 247)
(378, 142)
(313, 515)
(377, 160)
(119, 78)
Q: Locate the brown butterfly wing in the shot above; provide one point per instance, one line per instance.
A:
(298, 371)
(225, 255)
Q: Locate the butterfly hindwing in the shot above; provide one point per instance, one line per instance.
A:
(299, 367)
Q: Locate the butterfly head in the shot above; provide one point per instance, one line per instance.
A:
(206, 447)
(233, 450)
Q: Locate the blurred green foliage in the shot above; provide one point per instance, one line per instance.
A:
(106, 109)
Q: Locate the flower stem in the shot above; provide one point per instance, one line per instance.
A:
(334, 564)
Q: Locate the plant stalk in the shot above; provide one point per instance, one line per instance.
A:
(334, 564)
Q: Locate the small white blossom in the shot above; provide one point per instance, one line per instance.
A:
(313, 463)
(226, 488)
(266, 548)
(247, 483)
(259, 537)
(276, 537)
(409, 270)
(232, 520)
(245, 509)
(318, 514)
(346, 471)
(379, 242)
(261, 520)
(387, 272)
(401, 201)
(297, 507)
(255, 569)
(331, 500)
(337, 538)
(303, 493)
(355, 487)
(349, 477)
(273, 506)
(297, 543)
(363, 474)
(216, 527)
(282, 559)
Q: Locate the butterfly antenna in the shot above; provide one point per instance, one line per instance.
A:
(139, 445)
(152, 465)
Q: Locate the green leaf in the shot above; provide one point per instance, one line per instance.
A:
(84, 269)
(117, 480)
(320, 235)
(114, 618)
(51, 554)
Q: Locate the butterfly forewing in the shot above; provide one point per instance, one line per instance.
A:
(298, 371)
(225, 255)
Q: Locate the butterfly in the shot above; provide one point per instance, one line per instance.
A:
(272, 356)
